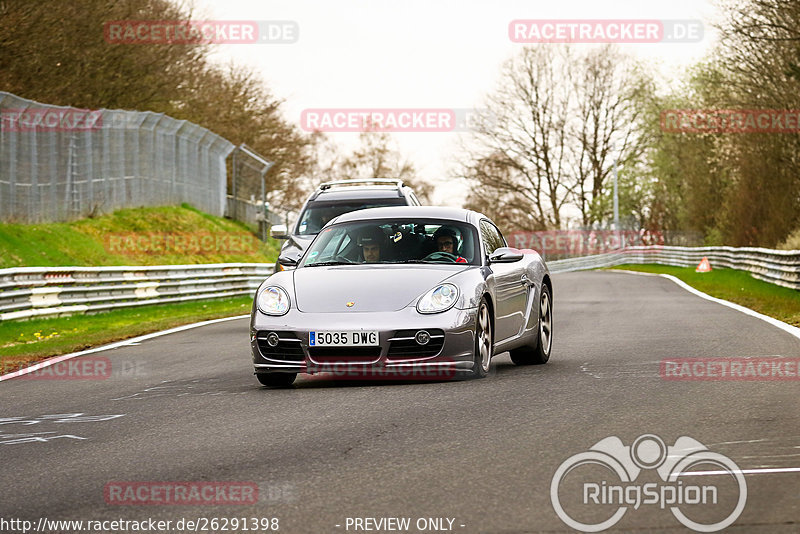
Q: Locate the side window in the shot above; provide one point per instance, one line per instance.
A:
(500, 239)
(414, 200)
(331, 246)
(491, 237)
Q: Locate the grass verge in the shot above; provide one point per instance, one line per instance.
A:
(735, 286)
(25, 342)
(166, 235)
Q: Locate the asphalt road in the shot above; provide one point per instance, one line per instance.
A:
(480, 453)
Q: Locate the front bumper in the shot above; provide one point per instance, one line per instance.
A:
(395, 356)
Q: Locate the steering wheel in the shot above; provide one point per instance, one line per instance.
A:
(438, 256)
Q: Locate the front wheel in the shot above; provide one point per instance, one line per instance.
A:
(540, 353)
(482, 357)
(276, 380)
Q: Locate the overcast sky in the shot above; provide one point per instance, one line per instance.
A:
(421, 54)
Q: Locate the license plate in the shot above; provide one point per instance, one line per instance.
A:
(343, 339)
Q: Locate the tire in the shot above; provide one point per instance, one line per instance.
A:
(276, 380)
(539, 353)
(482, 354)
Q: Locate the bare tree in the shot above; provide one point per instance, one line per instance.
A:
(377, 156)
(521, 146)
(551, 125)
(610, 90)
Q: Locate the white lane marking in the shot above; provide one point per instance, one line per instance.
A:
(42, 437)
(793, 330)
(132, 341)
(58, 418)
(737, 442)
(762, 471)
(36, 439)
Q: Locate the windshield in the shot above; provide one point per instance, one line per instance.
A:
(394, 241)
(317, 214)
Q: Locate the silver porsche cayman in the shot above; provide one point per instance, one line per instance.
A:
(409, 292)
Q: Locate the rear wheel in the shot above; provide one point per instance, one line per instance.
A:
(482, 357)
(540, 352)
(276, 380)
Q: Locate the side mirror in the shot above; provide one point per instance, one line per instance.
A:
(505, 255)
(287, 262)
(279, 231)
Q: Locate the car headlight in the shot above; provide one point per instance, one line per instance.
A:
(440, 298)
(273, 300)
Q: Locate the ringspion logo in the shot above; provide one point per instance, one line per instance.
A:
(611, 478)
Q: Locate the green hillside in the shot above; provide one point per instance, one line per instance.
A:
(166, 235)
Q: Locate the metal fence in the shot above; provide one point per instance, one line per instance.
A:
(51, 291)
(60, 163)
(252, 211)
(781, 267)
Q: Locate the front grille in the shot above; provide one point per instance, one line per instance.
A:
(403, 346)
(287, 349)
(345, 354)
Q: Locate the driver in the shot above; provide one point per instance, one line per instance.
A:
(371, 242)
(446, 240)
(318, 221)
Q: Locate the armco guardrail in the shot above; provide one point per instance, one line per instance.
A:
(781, 267)
(46, 291)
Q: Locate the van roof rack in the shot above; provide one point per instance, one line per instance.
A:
(375, 181)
